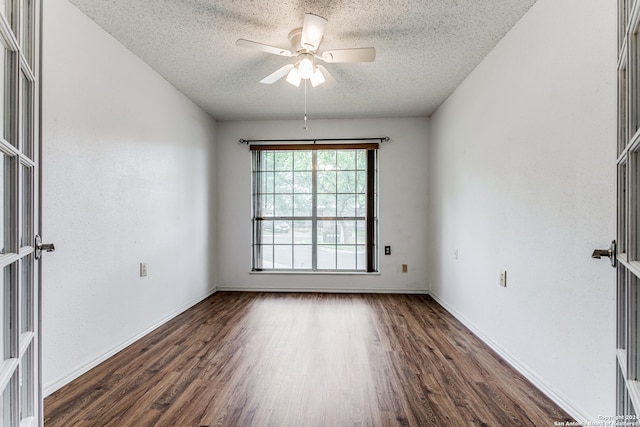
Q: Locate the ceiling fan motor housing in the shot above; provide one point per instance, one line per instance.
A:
(295, 38)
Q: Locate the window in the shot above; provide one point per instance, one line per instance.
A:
(314, 207)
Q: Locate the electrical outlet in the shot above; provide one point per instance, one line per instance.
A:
(405, 268)
(455, 253)
(143, 269)
(387, 250)
(503, 279)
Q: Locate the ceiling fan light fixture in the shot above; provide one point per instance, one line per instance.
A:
(312, 31)
(294, 77)
(317, 78)
(305, 68)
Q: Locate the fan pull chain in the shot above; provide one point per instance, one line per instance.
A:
(305, 105)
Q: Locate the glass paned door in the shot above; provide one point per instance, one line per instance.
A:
(21, 402)
(628, 207)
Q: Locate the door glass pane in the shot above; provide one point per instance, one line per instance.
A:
(5, 191)
(622, 308)
(633, 329)
(5, 319)
(26, 134)
(622, 208)
(3, 95)
(6, 7)
(26, 238)
(7, 406)
(27, 384)
(622, 110)
(26, 294)
(26, 36)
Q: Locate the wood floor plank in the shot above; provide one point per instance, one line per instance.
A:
(306, 359)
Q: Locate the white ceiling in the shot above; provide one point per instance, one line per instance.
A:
(425, 48)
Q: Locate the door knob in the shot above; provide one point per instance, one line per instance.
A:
(609, 253)
(46, 247)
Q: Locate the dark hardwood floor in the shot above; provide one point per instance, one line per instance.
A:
(271, 359)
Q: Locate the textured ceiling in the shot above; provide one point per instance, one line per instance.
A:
(425, 48)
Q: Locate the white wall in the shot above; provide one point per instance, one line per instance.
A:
(522, 162)
(126, 178)
(402, 203)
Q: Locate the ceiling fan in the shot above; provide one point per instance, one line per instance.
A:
(305, 43)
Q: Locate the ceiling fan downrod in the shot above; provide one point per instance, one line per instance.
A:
(305, 106)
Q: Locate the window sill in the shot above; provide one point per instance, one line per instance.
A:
(316, 273)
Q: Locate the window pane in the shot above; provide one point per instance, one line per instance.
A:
(361, 257)
(326, 160)
(361, 205)
(265, 182)
(302, 232)
(346, 159)
(283, 160)
(346, 257)
(346, 182)
(265, 229)
(268, 159)
(327, 232)
(346, 204)
(266, 253)
(327, 182)
(302, 205)
(302, 257)
(302, 161)
(346, 231)
(303, 182)
(361, 232)
(282, 232)
(361, 159)
(283, 182)
(283, 205)
(326, 205)
(361, 182)
(326, 257)
(283, 256)
(266, 205)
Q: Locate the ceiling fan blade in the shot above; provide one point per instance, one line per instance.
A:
(277, 75)
(263, 47)
(312, 31)
(327, 75)
(364, 54)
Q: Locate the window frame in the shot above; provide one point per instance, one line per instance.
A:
(369, 218)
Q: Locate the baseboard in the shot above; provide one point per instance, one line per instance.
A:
(56, 385)
(323, 290)
(561, 401)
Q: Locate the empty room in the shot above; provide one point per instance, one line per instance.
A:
(251, 213)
